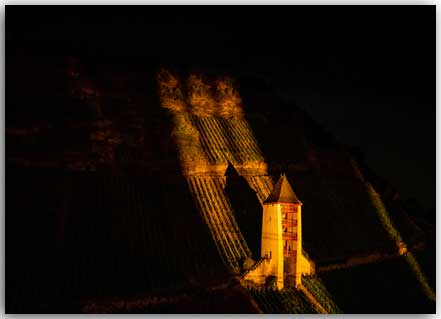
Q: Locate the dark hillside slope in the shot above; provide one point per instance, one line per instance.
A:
(99, 209)
(386, 287)
(72, 237)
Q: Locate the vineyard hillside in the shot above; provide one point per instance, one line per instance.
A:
(142, 192)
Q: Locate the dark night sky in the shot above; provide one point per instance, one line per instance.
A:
(366, 73)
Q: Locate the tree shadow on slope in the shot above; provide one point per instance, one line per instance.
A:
(246, 207)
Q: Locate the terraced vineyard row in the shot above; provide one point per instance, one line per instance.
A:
(148, 238)
(286, 301)
(316, 287)
(244, 137)
(262, 185)
(216, 210)
(227, 139)
(121, 236)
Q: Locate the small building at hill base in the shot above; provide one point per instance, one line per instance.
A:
(282, 260)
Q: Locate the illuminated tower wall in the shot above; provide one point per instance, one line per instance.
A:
(272, 244)
(281, 245)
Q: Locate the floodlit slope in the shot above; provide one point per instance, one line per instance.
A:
(286, 301)
(227, 139)
(219, 217)
(316, 287)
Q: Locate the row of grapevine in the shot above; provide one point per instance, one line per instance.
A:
(420, 275)
(242, 131)
(240, 134)
(285, 301)
(234, 149)
(262, 185)
(227, 139)
(213, 144)
(216, 210)
(316, 287)
(127, 231)
(118, 236)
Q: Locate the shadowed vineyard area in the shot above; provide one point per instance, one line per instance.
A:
(247, 208)
(390, 284)
(138, 189)
(84, 246)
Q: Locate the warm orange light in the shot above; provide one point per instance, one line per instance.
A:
(209, 132)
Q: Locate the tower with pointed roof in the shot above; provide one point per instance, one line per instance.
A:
(281, 241)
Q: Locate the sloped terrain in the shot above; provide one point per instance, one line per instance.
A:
(386, 287)
(88, 235)
(117, 194)
(286, 301)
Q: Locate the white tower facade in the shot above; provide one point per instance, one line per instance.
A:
(281, 242)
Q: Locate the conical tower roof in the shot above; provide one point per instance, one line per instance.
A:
(282, 193)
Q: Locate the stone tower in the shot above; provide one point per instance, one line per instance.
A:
(281, 241)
